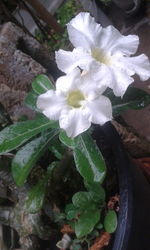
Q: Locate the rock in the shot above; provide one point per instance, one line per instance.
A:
(21, 59)
(17, 68)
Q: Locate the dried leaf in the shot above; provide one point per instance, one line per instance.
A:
(101, 241)
(67, 229)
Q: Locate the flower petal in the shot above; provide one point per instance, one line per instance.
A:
(74, 122)
(84, 31)
(102, 75)
(100, 110)
(121, 81)
(89, 87)
(140, 66)
(51, 104)
(120, 62)
(69, 81)
(115, 78)
(67, 61)
(127, 45)
(112, 41)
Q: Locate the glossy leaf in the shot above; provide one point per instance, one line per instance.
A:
(69, 207)
(30, 100)
(17, 134)
(67, 141)
(36, 196)
(28, 155)
(71, 211)
(97, 192)
(110, 221)
(86, 222)
(134, 98)
(58, 149)
(81, 199)
(41, 84)
(72, 214)
(88, 159)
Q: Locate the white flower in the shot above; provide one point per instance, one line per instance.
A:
(76, 103)
(105, 52)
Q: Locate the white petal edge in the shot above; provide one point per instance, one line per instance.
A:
(102, 75)
(91, 88)
(112, 41)
(84, 31)
(74, 122)
(140, 65)
(100, 110)
(69, 81)
(67, 61)
(127, 45)
(121, 82)
(51, 104)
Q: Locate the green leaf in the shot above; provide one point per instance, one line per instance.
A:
(88, 159)
(98, 197)
(28, 155)
(71, 211)
(17, 134)
(110, 221)
(99, 226)
(41, 84)
(81, 199)
(86, 222)
(134, 98)
(77, 247)
(30, 100)
(36, 196)
(51, 167)
(97, 192)
(72, 214)
(58, 149)
(67, 141)
(69, 207)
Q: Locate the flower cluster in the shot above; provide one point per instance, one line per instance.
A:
(102, 58)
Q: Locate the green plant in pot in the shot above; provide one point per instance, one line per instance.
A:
(94, 89)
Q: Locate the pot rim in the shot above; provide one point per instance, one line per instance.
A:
(125, 187)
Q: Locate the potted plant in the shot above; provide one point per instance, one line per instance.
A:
(93, 90)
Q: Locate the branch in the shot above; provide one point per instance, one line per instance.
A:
(46, 16)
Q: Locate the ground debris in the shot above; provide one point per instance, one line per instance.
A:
(67, 229)
(135, 145)
(101, 241)
(113, 203)
(64, 243)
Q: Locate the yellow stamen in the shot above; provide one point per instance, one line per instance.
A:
(74, 98)
(100, 56)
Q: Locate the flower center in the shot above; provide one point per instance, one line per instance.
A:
(100, 56)
(74, 98)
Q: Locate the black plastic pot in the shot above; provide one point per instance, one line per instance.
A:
(130, 7)
(133, 230)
